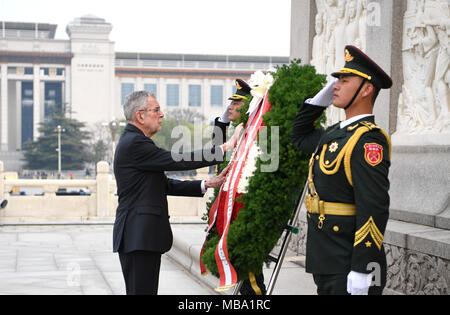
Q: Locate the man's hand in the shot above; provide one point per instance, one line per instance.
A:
(358, 283)
(218, 180)
(325, 97)
(231, 143)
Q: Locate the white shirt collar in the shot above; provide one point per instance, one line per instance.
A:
(347, 122)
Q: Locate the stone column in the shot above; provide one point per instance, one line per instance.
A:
(302, 29)
(139, 83)
(2, 181)
(68, 87)
(206, 98)
(102, 189)
(4, 108)
(36, 101)
(383, 42)
(162, 92)
(184, 93)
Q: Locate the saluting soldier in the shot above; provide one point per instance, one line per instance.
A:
(254, 285)
(231, 112)
(348, 199)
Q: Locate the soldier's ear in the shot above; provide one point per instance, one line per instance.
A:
(368, 90)
(372, 92)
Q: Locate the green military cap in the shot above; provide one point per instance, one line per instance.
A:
(358, 63)
(242, 91)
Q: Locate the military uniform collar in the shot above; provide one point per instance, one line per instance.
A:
(350, 121)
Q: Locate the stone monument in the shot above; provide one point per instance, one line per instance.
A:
(410, 40)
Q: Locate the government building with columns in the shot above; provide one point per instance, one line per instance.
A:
(90, 80)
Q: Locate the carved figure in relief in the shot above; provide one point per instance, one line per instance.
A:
(338, 23)
(424, 101)
(318, 47)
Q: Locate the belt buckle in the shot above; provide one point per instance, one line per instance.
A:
(315, 204)
(312, 204)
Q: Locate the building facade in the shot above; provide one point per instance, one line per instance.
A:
(86, 77)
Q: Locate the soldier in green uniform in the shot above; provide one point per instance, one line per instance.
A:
(348, 199)
(231, 112)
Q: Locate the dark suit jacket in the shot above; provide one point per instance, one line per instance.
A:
(142, 220)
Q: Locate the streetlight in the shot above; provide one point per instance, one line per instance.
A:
(114, 127)
(59, 130)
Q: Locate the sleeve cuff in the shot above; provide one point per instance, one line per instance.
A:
(309, 100)
(203, 186)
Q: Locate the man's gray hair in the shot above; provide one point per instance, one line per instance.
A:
(134, 102)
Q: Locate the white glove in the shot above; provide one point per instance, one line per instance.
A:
(325, 97)
(224, 118)
(358, 283)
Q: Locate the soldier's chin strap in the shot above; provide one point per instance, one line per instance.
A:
(356, 94)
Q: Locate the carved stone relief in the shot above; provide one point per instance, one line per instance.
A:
(408, 272)
(414, 273)
(338, 23)
(424, 104)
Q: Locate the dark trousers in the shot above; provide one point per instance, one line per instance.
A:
(254, 285)
(337, 285)
(141, 272)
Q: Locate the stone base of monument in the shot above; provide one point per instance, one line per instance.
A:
(417, 237)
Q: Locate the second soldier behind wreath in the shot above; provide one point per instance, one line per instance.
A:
(255, 284)
(348, 200)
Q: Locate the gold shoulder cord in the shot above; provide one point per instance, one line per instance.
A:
(346, 152)
(313, 193)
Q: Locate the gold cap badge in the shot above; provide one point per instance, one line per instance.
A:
(348, 57)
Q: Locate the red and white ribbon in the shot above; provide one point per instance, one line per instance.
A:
(228, 275)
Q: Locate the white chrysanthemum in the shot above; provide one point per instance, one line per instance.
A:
(260, 83)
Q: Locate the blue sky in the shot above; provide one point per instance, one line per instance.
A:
(234, 27)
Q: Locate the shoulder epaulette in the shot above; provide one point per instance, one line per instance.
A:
(369, 125)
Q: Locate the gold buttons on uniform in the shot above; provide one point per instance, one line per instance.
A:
(327, 162)
(336, 228)
(317, 157)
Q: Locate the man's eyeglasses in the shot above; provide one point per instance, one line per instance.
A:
(156, 110)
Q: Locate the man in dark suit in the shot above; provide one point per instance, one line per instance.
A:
(142, 230)
(348, 200)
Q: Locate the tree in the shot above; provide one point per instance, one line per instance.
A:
(187, 119)
(42, 154)
(185, 115)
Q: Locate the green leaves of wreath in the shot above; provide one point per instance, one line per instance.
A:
(271, 197)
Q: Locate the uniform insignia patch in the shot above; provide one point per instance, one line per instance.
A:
(373, 153)
(333, 147)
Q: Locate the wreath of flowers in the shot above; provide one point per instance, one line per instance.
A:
(269, 198)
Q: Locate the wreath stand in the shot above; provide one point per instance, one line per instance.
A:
(278, 260)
